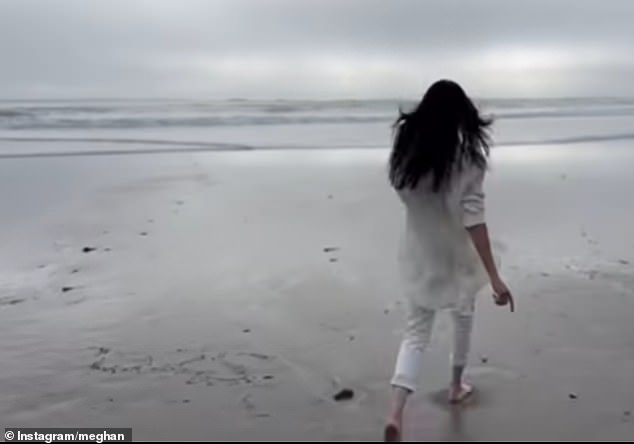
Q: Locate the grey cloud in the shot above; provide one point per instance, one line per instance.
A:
(225, 47)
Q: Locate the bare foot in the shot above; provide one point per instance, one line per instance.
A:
(392, 431)
(460, 394)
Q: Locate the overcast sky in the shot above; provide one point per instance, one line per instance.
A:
(314, 48)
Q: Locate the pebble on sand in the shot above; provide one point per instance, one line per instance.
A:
(344, 395)
(143, 233)
(573, 396)
(484, 359)
(246, 330)
(67, 289)
(15, 301)
(330, 249)
(88, 249)
(624, 262)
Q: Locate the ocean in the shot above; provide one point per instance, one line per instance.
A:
(93, 127)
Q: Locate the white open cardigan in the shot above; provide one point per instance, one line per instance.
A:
(439, 265)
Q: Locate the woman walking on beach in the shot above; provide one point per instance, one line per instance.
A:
(437, 167)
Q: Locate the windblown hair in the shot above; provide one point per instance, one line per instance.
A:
(445, 130)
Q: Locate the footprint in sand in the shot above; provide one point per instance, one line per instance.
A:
(11, 301)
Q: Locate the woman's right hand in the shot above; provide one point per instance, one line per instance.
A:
(501, 294)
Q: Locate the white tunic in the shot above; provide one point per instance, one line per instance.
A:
(439, 264)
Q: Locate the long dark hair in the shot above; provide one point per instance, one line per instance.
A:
(442, 132)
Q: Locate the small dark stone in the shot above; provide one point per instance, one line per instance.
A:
(96, 365)
(88, 249)
(484, 359)
(351, 338)
(330, 249)
(143, 233)
(67, 289)
(16, 301)
(624, 262)
(344, 395)
(75, 270)
(110, 399)
(333, 259)
(573, 396)
(41, 266)
(246, 330)
(545, 274)
(268, 377)
(186, 401)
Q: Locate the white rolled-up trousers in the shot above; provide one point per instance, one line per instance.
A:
(420, 323)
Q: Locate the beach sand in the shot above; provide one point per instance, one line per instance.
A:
(231, 295)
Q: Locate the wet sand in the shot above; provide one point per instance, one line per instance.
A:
(230, 296)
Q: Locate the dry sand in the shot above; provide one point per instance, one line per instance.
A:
(231, 295)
